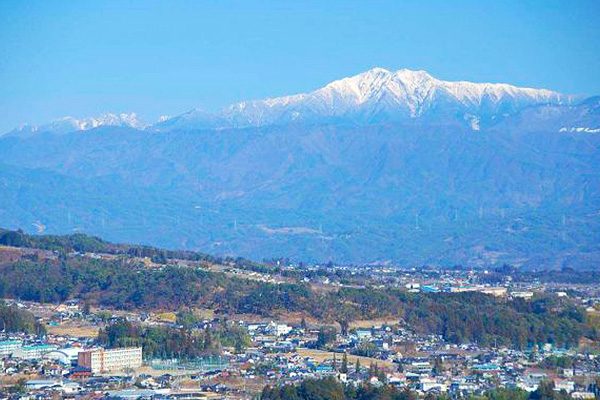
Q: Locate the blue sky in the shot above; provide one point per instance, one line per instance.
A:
(83, 58)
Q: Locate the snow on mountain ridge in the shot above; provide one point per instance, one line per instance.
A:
(418, 87)
(376, 94)
(109, 119)
(371, 96)
(70, 124)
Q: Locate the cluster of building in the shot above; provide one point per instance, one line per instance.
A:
(95, 360)
(378, 353)
(282, 352)
(425, 364)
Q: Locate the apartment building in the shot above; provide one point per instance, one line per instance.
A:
(34, 351)
(110, 360)
(9, 347)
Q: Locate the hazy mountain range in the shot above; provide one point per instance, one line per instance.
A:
(382, 166)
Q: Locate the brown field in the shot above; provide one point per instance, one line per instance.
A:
(74, 330)
(320, 356)
(11, 380)
(368, 323)
(146, 369)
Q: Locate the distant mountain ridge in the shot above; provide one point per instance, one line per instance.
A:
(374, 96)
(381, 167)
(71, 124)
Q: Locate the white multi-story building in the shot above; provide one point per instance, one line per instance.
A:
(280, 329)
(9, 347)
(522, 295)
(101, 360)
(34, 352)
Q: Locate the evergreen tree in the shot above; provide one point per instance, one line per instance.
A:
(303, 324)
(344, 367)
(438, 366)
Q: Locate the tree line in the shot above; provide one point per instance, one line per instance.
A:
(14, 319)
(331, 389)
(174, 342)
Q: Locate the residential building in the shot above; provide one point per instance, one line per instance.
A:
(101, 360)
(8, 347)
(35, 351)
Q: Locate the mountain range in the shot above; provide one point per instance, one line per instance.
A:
(375, 96)
(69, 124)
(383, 166)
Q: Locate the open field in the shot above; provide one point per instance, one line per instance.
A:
(321, 355)
(11, 380)
(368, 323)
(74, 330)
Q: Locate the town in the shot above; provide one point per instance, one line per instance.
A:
(300, 200)
(79, 350)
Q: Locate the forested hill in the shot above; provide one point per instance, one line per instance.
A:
(126, 282)
(13, 319)
(83, 243)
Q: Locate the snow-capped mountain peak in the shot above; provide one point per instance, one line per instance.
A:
(70, 124)
(376, 95)
(109, 119)
(418, 90)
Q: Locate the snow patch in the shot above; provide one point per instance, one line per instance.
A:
(579, 129)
